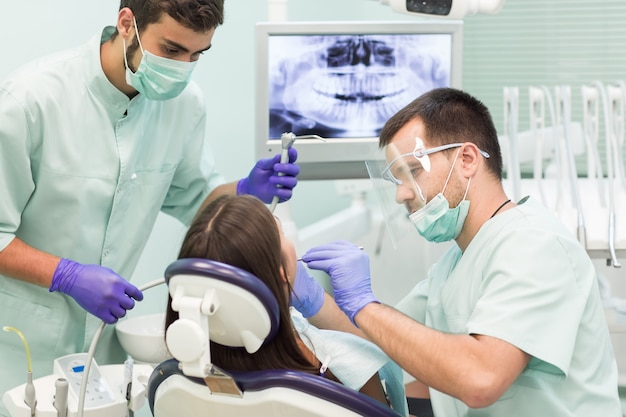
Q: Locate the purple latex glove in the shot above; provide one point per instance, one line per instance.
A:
(265, 182)
(97, 289)
(307, 295)
(349, 271)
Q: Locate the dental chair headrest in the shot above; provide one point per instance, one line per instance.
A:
(220, 302)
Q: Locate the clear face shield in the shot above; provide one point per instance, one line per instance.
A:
(402, 183)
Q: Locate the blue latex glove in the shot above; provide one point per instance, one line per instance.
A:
(307, 295)
(97, 289)
(349, 271)
(264, 181)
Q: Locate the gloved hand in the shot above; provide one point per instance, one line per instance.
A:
(264, 181)
(97, 289)
(307, 295)
(349, 271)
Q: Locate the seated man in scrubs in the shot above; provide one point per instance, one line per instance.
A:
(240, 231)
(94, 143)
(509, 322)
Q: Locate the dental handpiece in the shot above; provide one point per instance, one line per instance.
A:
(128, 383)
(30, 396)
(286, 139)
(60, 397)
(128, 379)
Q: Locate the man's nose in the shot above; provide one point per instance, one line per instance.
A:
(404, 193)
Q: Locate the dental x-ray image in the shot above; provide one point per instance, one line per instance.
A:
(347, 86)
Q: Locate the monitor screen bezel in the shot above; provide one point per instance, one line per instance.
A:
(336, 158)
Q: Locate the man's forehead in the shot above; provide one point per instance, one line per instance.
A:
(167, 29)
(405, 137)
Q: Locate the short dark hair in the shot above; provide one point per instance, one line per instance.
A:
(198, 15)
(449, 116)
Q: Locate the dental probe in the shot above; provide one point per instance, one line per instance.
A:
(286, 139)
(300, 259)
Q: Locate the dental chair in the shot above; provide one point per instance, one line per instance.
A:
(234, 308)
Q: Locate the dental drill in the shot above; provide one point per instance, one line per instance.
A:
(286, 139)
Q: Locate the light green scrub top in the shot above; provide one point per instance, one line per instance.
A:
(353, 360)
(525, 279)
(84, 172)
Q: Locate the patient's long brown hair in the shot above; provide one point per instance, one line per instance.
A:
(242, 232)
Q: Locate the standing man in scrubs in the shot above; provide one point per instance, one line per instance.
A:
(94, 143)
(509, 322)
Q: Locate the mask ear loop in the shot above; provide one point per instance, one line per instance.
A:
(138, 40)
(450, 173)
(467, 189)
(137, 35)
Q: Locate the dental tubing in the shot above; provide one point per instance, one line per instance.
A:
(92, 350)
(30, 397)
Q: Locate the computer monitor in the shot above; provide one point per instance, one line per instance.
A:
(342, 81)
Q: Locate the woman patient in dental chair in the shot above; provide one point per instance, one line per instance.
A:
(242, 232)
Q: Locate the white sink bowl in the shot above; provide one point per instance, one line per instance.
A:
(142, 337)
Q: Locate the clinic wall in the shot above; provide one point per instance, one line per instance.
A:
(32, 28)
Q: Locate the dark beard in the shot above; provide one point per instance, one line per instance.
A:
(130, 52)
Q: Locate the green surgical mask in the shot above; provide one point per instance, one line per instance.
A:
(158, 78)
(436, 221)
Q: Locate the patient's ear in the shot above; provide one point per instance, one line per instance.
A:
(283, 274)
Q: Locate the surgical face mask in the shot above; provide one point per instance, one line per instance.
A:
(158, 78)
(436, 221)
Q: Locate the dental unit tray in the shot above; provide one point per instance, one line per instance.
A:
(106, 391)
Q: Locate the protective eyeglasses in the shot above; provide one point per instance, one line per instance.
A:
(418, 160)
(404, 184)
